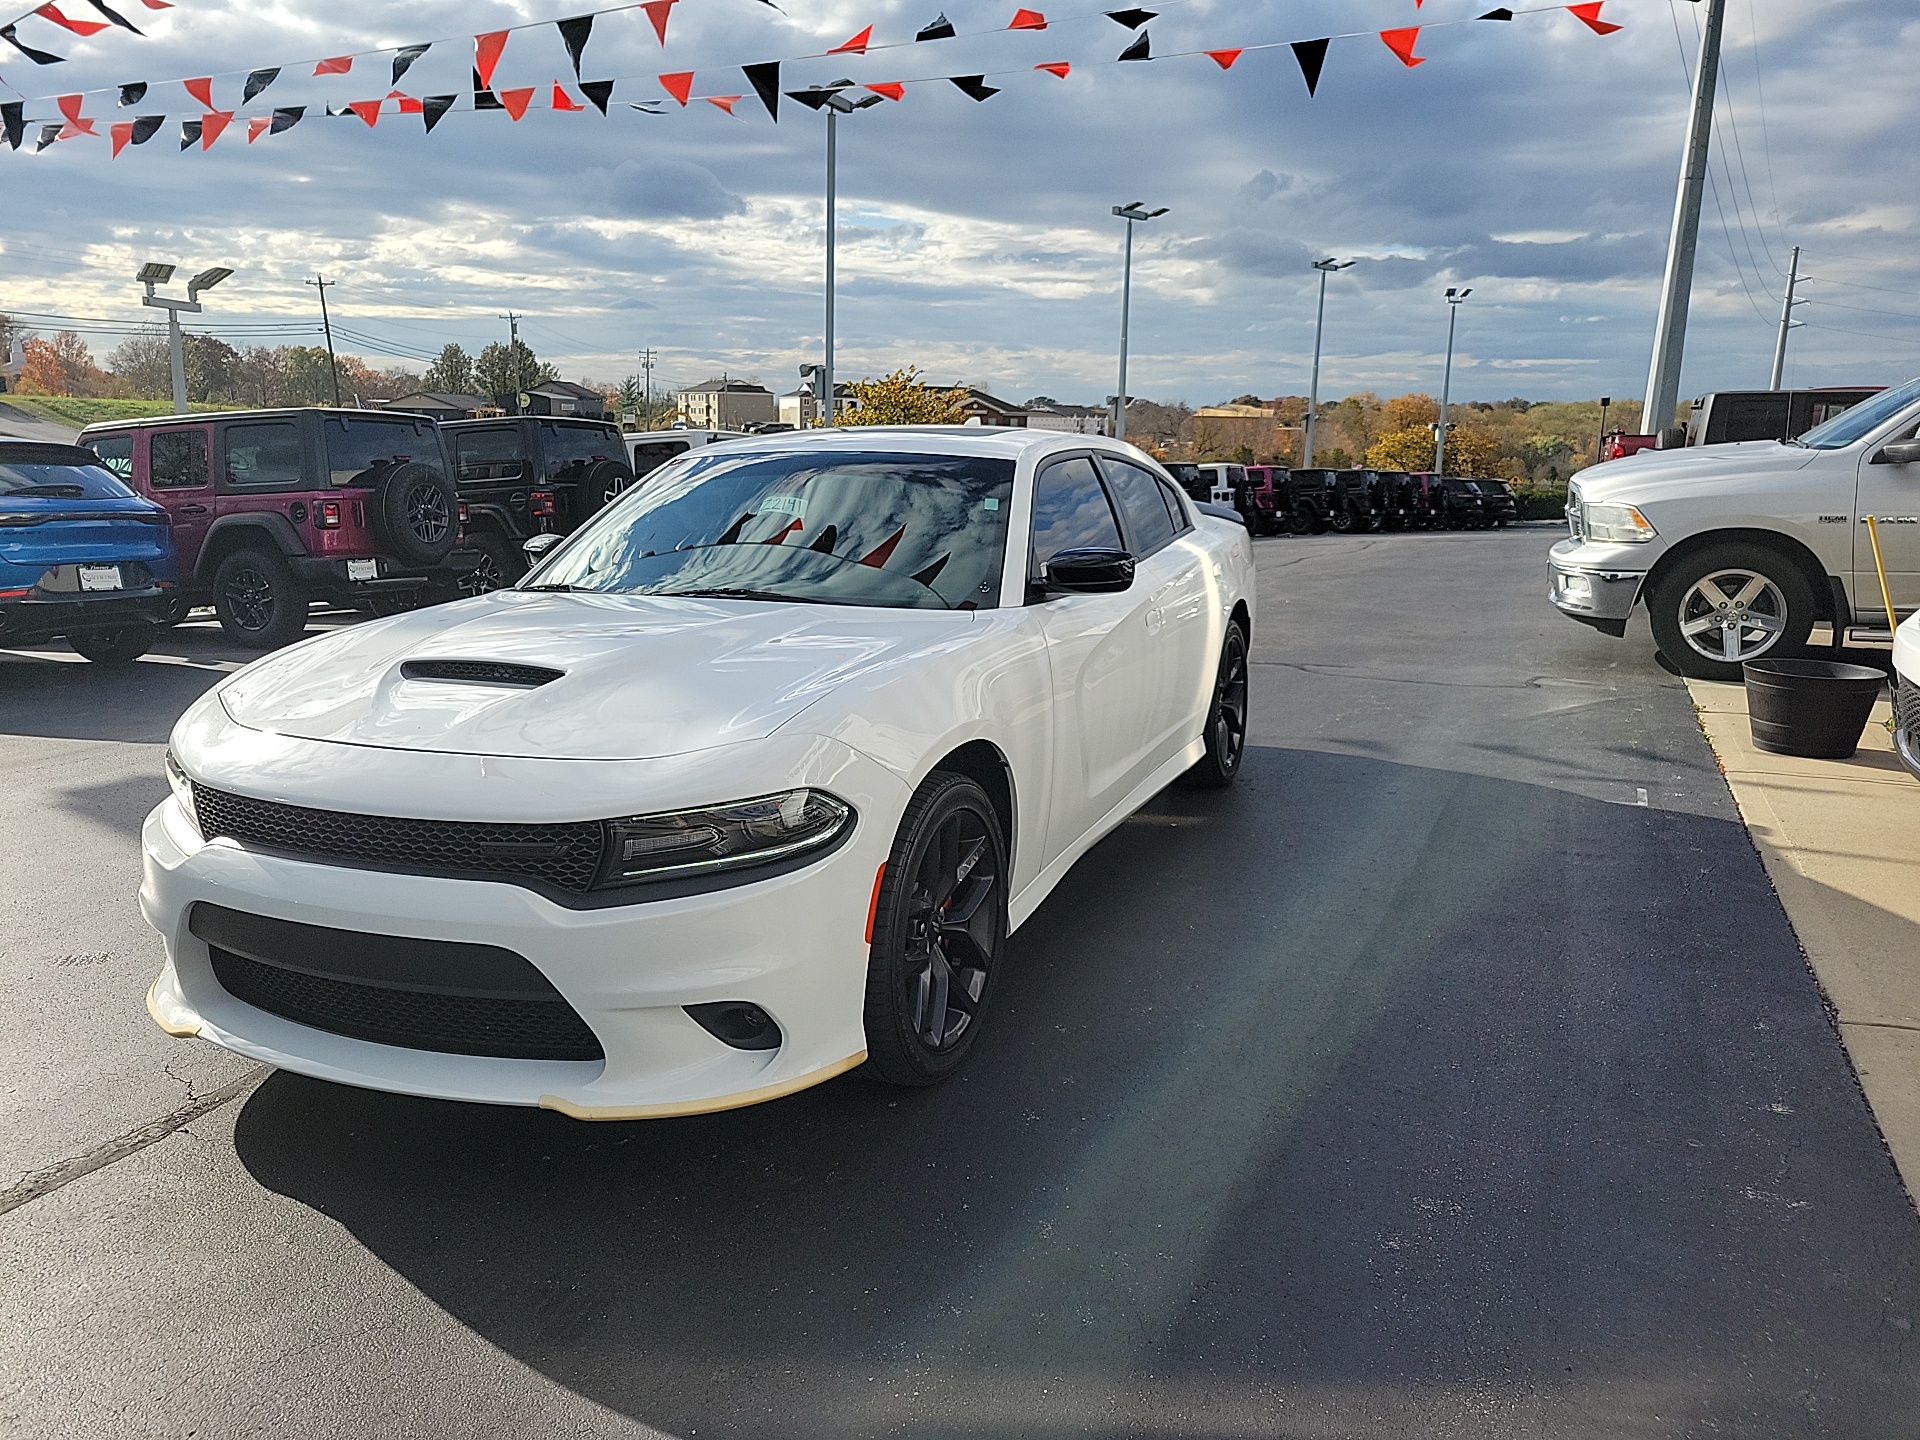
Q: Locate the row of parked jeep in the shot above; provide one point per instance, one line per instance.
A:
(1274, 500)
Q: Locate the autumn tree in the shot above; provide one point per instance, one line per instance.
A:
(901, 399)
(1470, 451)
(1408, 412)
(142, 365)
(451, 373)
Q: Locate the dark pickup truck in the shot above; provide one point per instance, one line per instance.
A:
(525, 475)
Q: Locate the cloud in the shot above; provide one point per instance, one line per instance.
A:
(663, 189)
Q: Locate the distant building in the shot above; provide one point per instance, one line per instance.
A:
(723, 404)
(981, 408)
(801, 408)
(1046, 413)
(1224, 429)
(438, 405)
(563, 397)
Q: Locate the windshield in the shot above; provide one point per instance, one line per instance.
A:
(1849, 425)
(25, 477)
(860, 528)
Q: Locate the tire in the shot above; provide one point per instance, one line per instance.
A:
(501, 564)
(177, 609)
(257, 600)
(1768, 590)
(603, 485)
(1365, 524)
(1343, 521)
(1299, 522)
(414, 514)
(400, 602)
(916, 970)
(1226, 718)
(113, 647)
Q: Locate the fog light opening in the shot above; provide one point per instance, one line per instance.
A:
(739, 1023)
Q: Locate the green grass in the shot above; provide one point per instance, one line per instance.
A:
(77, 411)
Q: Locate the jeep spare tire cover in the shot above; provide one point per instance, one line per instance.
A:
(414, 514)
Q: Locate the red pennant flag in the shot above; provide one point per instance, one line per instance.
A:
(515, 102)
(1589, 16)
(1401, 43)
(408, 104)
(679, 84)
(856, 46)
(892, 89)
(657, 12)
(367, 110)
(201, 90)
(1056, 67)
(158, 4)
(339, 65)
(1224, 58)
(211, 124)
(257, 125)
(120, 132)
(77, 124)
(724, 102)
(564, 101)
(486, 55)
(1027, 20)
(78, 27)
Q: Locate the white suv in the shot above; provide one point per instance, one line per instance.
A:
(1736, 550)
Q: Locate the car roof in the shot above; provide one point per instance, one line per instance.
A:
(496, 419)
(44, 452)
(281, 413)
(1006, 441)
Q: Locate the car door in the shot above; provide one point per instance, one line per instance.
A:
(1891, 494)
(179, 475)
(1098, 655)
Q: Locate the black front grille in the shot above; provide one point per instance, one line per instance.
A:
(565, 856)
(1906, 708)
(482, 672)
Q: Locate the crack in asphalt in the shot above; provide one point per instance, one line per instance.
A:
(45, 1181)
(1343, 672)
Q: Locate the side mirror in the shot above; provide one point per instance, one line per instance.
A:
(1089, 572)
(537, 545)
(1900, 452)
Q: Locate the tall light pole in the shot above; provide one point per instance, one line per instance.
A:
(320, 283)
(1787, 322)
(836, 105)
(1670, 331)
(153, 273)
(1326, 267)
(1134, 214)
(1454, 297)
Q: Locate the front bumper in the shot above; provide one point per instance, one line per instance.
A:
(331, 578)
(1586, 584)
(794, 944)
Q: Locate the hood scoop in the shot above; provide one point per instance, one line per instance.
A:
(480, 672)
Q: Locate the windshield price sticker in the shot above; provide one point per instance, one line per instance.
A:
(794, 505)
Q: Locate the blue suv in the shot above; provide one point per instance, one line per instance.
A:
(80, 554)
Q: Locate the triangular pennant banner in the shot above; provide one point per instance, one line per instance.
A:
(657, 12)
(338, 65)
(679, 84)
(285, 118)
(403, 59)
(515, 102)
(1055, 67)
(486, 55)
(765, 79)
(562, 100)
(38, 57)
(1401, 43)
(51, 133)
(974, 86)
(408, 105)
(648, 107)
(1133, 19)
(856, 46)
(1311, 55)
(211, 124)
(133, 94)
(77, 124)
(258, 125)
(115, 16)
(1224, 58)
(78, 27)
(258, 81)
(367, 110)
(145, 127)
(573, 34)
(13, 122)
(723, 102)
(120, 133)
(599, 92)
(483, 98)
(432, 107)
(201, 90)
(940, 29)
(1027, 20)
(189, 134)
(1589, 16)
(892, 89)
(1501, 14)
(1140, 49)
(812, 99)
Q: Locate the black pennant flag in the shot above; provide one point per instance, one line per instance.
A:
(13, 119)
(483, 98)
(116, 17)
(1501, 14)
(49, 134)
(650, 107)
(1311, 54)
(573, 34)
(599, 92)
(940, 29)
(286, 117)
(258, 81)
(432, 107)
(973, 85)
(39, 57)
(133, 94)
(404, 57)
(765, 80)
(1140, 49)
(189, 134)
(1133, 19)
(145, 127)
(812, 99)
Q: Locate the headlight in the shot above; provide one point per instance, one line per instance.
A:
(685, 843)
(1617, 524)
(182, 788)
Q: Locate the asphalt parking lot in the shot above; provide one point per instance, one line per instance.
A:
(1457, 1073)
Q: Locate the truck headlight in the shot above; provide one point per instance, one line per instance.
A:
(1616, 524)
(182, 789)
(681, 844)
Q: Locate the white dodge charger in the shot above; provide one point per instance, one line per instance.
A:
(744, 785)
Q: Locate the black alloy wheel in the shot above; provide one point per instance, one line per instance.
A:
(499, 566)
(1343, 521)
(1299, 522)
(1226, 731)
(113, 647)
(428, 516)
(257, 601)
(938, 934)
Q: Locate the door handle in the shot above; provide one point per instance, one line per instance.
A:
(191, 510)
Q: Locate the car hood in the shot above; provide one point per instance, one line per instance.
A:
(644, 676)
(1655, 474)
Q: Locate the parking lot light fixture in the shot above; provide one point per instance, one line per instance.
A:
(1326, 267)
(1454, 297)
(1135, 213)
(836, 105)
(156, 272)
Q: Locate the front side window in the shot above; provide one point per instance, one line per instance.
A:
(116, 454)
(360, 452)
(264, 457)
(571, 451)
(1862, 419)
(488, 454)
(1071, 512)
(177, 460)
(898, 531)
(650, 455)
(1148, 523)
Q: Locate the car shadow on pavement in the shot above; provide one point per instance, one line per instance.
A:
(1353, 1100)
(68, 700)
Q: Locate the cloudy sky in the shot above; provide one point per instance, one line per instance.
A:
(1534, 161)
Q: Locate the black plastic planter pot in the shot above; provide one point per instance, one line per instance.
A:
(1811, 708)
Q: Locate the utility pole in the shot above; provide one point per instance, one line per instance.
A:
(1134, 214)
(827, 413)
(513, 355)
(1454, 297)
(1787, 322)
(1326, 267)
(646, 366)
(320, 283)
(1670, 331)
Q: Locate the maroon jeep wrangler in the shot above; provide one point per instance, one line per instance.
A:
(274, 509)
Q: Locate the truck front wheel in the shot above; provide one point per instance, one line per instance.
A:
(1728, 604)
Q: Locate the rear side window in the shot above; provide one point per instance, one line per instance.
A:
(116, 454)
(572, 450)
(177, 460)
(264, 457)
(1176, 512)
(1071, 512)
(650, 455)
(360, 452)
(488, 454)
(52, 478)
(1139, 496)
